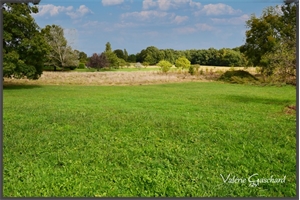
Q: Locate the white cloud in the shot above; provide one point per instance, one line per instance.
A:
(192, 29)
(80, 12)
(204, 27)
(180, 19)
(52, 10)
(164, 4)
(217, 9)
(148, 4)
(144, 15)
(195, 4)
(111, 2)
(167, 4)
(234, 20)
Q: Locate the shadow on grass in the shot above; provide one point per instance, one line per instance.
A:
(19, 86)
(260, 100)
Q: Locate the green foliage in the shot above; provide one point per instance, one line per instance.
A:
(81, 66)
(131, 58)
(151, 54)
(238, 76)
(271, 42)
(108, 47)
(119, 53)
(183, 63)
(24, 48)
(134, 145)
(281, 64)
(82, 57)
(165, 65)
(260, 36)
(125, 55)
(111, 56)
(122, 62)
(146, 64)
(60, 53)
(211, 56)
(192, 70)
(201, 71)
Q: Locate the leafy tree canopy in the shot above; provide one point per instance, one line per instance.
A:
(61, 54)
(24, 46)
(271, 41)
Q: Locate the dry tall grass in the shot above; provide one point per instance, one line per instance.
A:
(104, 78)
(118, 78)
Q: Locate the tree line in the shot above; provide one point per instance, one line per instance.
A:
(270, 45)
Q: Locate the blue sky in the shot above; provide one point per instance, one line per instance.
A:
(136, 24)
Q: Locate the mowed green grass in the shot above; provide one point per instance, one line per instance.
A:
(157, 140)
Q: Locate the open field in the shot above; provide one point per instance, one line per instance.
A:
(150, 140)
(106, 78)
(126, 76)
(132, 68)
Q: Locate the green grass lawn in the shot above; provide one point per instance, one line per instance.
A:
(155, 140)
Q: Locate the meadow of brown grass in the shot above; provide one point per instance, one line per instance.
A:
(119, 78)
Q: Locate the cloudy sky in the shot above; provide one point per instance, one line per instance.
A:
(136, 24)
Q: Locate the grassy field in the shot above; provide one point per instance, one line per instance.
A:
(174, 140)
(107, 78)
(156, 68)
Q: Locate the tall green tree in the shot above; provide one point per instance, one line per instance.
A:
(262, 36)
(131, 58)
(111, 56)
(61, 54)
(125, 55)
(119, 53)
(82, 57)
(24, 47)
(269, 37)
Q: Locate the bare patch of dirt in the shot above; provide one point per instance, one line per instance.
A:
(290, 109)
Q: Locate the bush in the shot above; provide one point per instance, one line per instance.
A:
(192, 70)
(81, 66)
(165, 65)
(201, 71)
(182, 62)
(138, 65)
(146, 64)
(239, 76)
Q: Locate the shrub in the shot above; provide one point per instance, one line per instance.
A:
(165, 65)
(201, 71)
(197, 67)
(192, 70)
(182, 62)
(239, 76)
(81, 66)
(146, 64)
(138, 65)
(72, 67)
